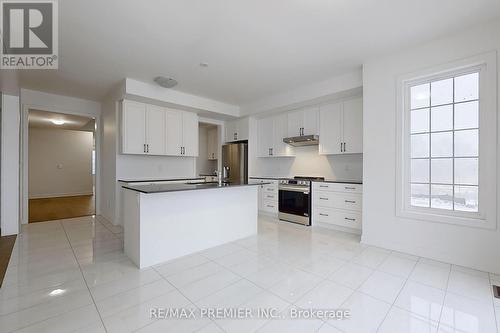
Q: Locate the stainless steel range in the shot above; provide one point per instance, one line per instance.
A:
(294, 199)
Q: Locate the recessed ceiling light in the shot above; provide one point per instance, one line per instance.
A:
(165, 82)
(203, 64)
(57, 122)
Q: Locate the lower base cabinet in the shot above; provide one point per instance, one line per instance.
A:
(268, 196)
(337, 205)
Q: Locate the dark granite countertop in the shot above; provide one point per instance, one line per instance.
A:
(160, 188)
(340, 181)
(270, 177)
(159, 180)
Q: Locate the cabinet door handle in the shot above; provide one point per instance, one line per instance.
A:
(323, 198)
(147, 148)
(341, 148)
(272, 151)
(350, 201)
(349, 188)
(324, 186)
(349, 219)
(323, 214)
(345, 149)
(270, 206)
(144, 148)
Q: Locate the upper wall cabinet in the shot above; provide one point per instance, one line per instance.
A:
(271, 132)
(236, 130)
(182, 133)
(303, 122)
(152, 130)
(341, 127)
(143, 130)
(133, 130)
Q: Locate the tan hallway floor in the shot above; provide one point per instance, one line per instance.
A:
(47, 209)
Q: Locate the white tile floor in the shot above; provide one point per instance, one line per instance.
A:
(72, 276)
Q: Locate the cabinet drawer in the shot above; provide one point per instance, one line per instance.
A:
(338, 200)
(270, 188)
(272, 196)
(338, 187)
(270, 206)
(337, 217)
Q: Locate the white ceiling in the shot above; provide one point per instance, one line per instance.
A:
(254, 48)
(43, 119)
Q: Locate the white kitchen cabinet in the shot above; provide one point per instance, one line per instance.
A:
(353, 126)
(190, 134)
(330, 129)
(173, 124)
(337, 205)
(212, 144)
(268, 196)
(279, 148)
(271, 132)
(133, 129)
(341, 127)
(303, 122)
(153, 130)
(182, 133)
(142, 129)
(265, 137)
(237, 130)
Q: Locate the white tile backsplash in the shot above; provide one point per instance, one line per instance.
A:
(309, 162)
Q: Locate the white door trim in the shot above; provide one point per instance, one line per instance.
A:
(23, 197)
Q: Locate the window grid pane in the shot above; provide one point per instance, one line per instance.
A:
(447, 195)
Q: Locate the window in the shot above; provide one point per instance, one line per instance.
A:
(444, 153)
(447, 143)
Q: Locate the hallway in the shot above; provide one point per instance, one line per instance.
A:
(48, 209)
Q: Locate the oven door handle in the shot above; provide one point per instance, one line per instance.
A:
(294, 189)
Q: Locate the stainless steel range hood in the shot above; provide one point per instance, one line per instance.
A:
(304, 140)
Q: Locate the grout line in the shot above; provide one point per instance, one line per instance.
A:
(493, 303)
(83, 276)
(445, 295)
(393, 305)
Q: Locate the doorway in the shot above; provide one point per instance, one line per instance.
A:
(208, 159)
(61, 166)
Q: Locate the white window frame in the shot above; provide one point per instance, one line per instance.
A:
(486, 65)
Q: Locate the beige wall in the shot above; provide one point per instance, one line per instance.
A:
(60, 162)
(203, 164)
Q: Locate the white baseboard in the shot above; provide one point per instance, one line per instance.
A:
(57, 195)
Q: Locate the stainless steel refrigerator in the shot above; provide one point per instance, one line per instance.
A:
(235, 162)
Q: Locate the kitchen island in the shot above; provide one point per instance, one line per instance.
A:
(166, 221)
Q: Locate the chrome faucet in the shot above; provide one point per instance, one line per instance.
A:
(218, 173)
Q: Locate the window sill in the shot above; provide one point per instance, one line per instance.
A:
(479, 222)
